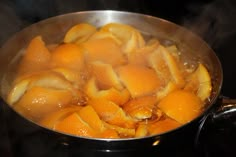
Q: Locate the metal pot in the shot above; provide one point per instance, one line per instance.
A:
(53, 30)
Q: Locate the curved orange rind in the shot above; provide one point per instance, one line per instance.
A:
(52, 119)
(36, 57)
(39, 101)
(111, 113)
(101, 34)
(139, 80)
(141, 108)
(46, 79)
(74, 125)
(181, 105)
(166, 66)
(68, 55)
(130, 37)
(199, 83)
(79, 33)
(141, 55)
(100, 49)
(111, 94)
(105, 76)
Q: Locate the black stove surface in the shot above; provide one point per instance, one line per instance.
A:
(213, 20)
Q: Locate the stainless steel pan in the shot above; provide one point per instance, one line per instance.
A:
(53, 30)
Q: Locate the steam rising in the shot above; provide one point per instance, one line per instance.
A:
(214, 22)
(10, 23)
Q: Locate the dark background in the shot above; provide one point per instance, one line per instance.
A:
(213, 20)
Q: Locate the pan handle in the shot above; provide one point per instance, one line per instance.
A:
(217, 130)
(226, 110)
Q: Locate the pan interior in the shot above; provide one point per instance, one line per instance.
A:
(52, 30)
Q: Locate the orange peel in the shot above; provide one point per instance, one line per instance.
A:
(199, 82)
(79, 33)
(181, 105)
(139, 80)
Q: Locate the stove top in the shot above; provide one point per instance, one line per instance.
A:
(212, 139)
(212, 17)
